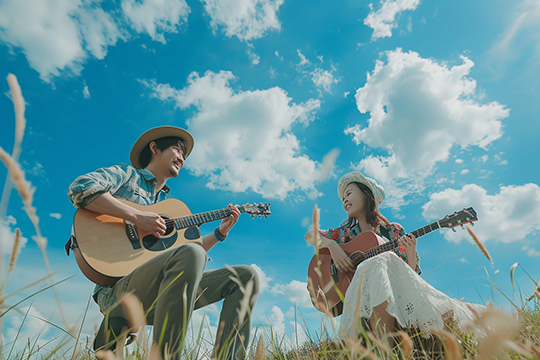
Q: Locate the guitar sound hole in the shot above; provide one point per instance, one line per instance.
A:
(152, 243)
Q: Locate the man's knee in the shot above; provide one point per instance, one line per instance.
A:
(189, 258)
(247, 274)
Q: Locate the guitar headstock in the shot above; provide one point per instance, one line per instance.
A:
(257, 209)
(462, 217)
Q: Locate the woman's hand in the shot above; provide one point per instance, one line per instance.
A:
(408, 243)
(341, 259)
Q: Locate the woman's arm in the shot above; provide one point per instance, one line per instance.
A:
(341, 259)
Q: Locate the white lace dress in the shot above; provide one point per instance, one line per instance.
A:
(411, 300)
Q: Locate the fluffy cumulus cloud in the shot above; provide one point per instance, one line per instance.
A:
(510, 215)
(277, 320)
(419, 110)
(245, 19)
(60, 35)
(57, 35)
(244, 138)
(156, 17)
(383, 20)
(295, 291)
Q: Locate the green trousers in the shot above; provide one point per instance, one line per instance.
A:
(193, 289)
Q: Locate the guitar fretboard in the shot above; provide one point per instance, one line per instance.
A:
(199, 219)
(393, 244)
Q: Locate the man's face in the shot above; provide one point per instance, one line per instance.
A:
(170, 159)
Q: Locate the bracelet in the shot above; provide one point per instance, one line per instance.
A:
(219, 235)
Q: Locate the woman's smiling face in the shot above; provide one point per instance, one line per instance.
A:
(354, 201)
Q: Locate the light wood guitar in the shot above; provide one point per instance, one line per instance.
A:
(107, 248)
(325, 279)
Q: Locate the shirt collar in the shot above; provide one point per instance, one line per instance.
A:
(151, 178)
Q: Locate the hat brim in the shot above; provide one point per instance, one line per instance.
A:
(154, 134)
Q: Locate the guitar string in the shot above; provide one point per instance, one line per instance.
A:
(392, 244)
(203, 217)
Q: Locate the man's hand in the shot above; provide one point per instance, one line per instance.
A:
(151, 223)
(227, 223)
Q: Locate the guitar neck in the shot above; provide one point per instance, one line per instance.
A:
(199, 219)
(393, 244)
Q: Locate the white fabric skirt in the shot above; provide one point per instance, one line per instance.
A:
(411, 300)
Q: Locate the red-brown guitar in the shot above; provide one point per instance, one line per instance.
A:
(325, 278)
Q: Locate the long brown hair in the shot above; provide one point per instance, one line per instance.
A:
(373, 216)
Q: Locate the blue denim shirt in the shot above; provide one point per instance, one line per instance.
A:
(122, 181)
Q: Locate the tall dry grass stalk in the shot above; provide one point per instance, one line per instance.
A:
(20, 125)
(24, 188)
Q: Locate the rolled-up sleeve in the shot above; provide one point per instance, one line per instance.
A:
(87, 188)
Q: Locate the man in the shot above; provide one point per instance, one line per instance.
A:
(175, 278)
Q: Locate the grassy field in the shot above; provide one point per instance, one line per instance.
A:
(493, 334)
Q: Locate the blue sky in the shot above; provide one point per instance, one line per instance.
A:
(437, 100)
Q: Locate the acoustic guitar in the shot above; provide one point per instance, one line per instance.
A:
(107, 248)
(325, 280)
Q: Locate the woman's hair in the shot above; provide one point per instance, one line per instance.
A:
(373, 216)
(162, 144)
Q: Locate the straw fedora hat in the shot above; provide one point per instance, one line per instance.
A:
(154, 134)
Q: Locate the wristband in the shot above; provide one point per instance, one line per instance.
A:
(219, 235)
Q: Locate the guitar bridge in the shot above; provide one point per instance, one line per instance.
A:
(133, 235)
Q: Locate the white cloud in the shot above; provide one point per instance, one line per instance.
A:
(303, 60)
(277, 320)
(33, 329)
(156, 17)
(245, 19)
(520, 38)
(295, 291)
(57, 35)
(264, 279)
(86, 92)
(383, 20)
(511, 215)
(464, 171)
(244, 139)
(56, 215)
(531, 251)
(7, 236)
(323, 79)
(420, 109)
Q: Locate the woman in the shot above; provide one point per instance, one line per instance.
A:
(386, 288)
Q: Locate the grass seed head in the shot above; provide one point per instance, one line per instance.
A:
(15, 251)
(479, 244)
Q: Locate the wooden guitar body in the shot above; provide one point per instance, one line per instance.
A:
(107, 248)
(322, 278)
